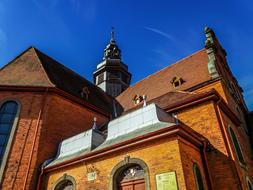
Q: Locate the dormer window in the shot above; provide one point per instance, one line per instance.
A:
(85, 93)
(137, 99)
(176, 81)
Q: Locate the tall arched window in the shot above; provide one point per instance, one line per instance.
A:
(8, 112)
(198, 177)
(236, 146)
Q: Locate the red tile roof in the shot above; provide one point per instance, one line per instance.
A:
(168, 99)
(192, 69)
(34, 68)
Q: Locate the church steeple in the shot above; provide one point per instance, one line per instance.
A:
(112, 74)
(112, 51)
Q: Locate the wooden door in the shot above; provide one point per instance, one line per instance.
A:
(132, 179)
(138, 184)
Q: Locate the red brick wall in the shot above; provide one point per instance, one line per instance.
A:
(203, 119)
(161, 156)
(60, 119)
(244, 142)
(18, 156)
(241, 131)
(190, 155)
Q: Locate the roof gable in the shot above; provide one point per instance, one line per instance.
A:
(25, 70)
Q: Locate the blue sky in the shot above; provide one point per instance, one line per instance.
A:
(151, 33)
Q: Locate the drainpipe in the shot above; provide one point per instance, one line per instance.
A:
(230, 151)
(40, 179)
(207, 166)
(35, 136)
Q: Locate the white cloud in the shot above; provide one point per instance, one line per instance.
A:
(161, 33)
(86, 9)
(45, 4)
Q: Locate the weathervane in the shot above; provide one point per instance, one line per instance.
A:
(112, 34)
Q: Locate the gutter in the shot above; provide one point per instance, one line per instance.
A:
(209, 177)
(40, 179)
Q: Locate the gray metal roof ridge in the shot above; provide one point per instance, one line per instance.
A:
(137, 123)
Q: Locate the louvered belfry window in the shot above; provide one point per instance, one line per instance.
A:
(8, 112)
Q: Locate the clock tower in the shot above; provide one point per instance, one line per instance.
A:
(112, 74)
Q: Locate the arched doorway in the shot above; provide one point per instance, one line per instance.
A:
(65, 185)
(66, 182)
(130, 174)
(131, 178)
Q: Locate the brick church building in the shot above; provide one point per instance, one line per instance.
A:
(185, 127)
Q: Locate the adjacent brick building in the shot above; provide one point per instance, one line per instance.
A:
(185, 127)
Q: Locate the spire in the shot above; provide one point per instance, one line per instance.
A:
(112, 51)
(112, 75)
(112, 35)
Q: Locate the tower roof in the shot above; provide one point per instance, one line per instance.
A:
(112, 50)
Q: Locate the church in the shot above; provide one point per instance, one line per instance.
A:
(185, 127)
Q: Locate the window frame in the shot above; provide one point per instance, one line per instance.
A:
(242, 162)
(11, 135)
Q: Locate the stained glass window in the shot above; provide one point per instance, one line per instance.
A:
(131, 173)
(8, 113)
